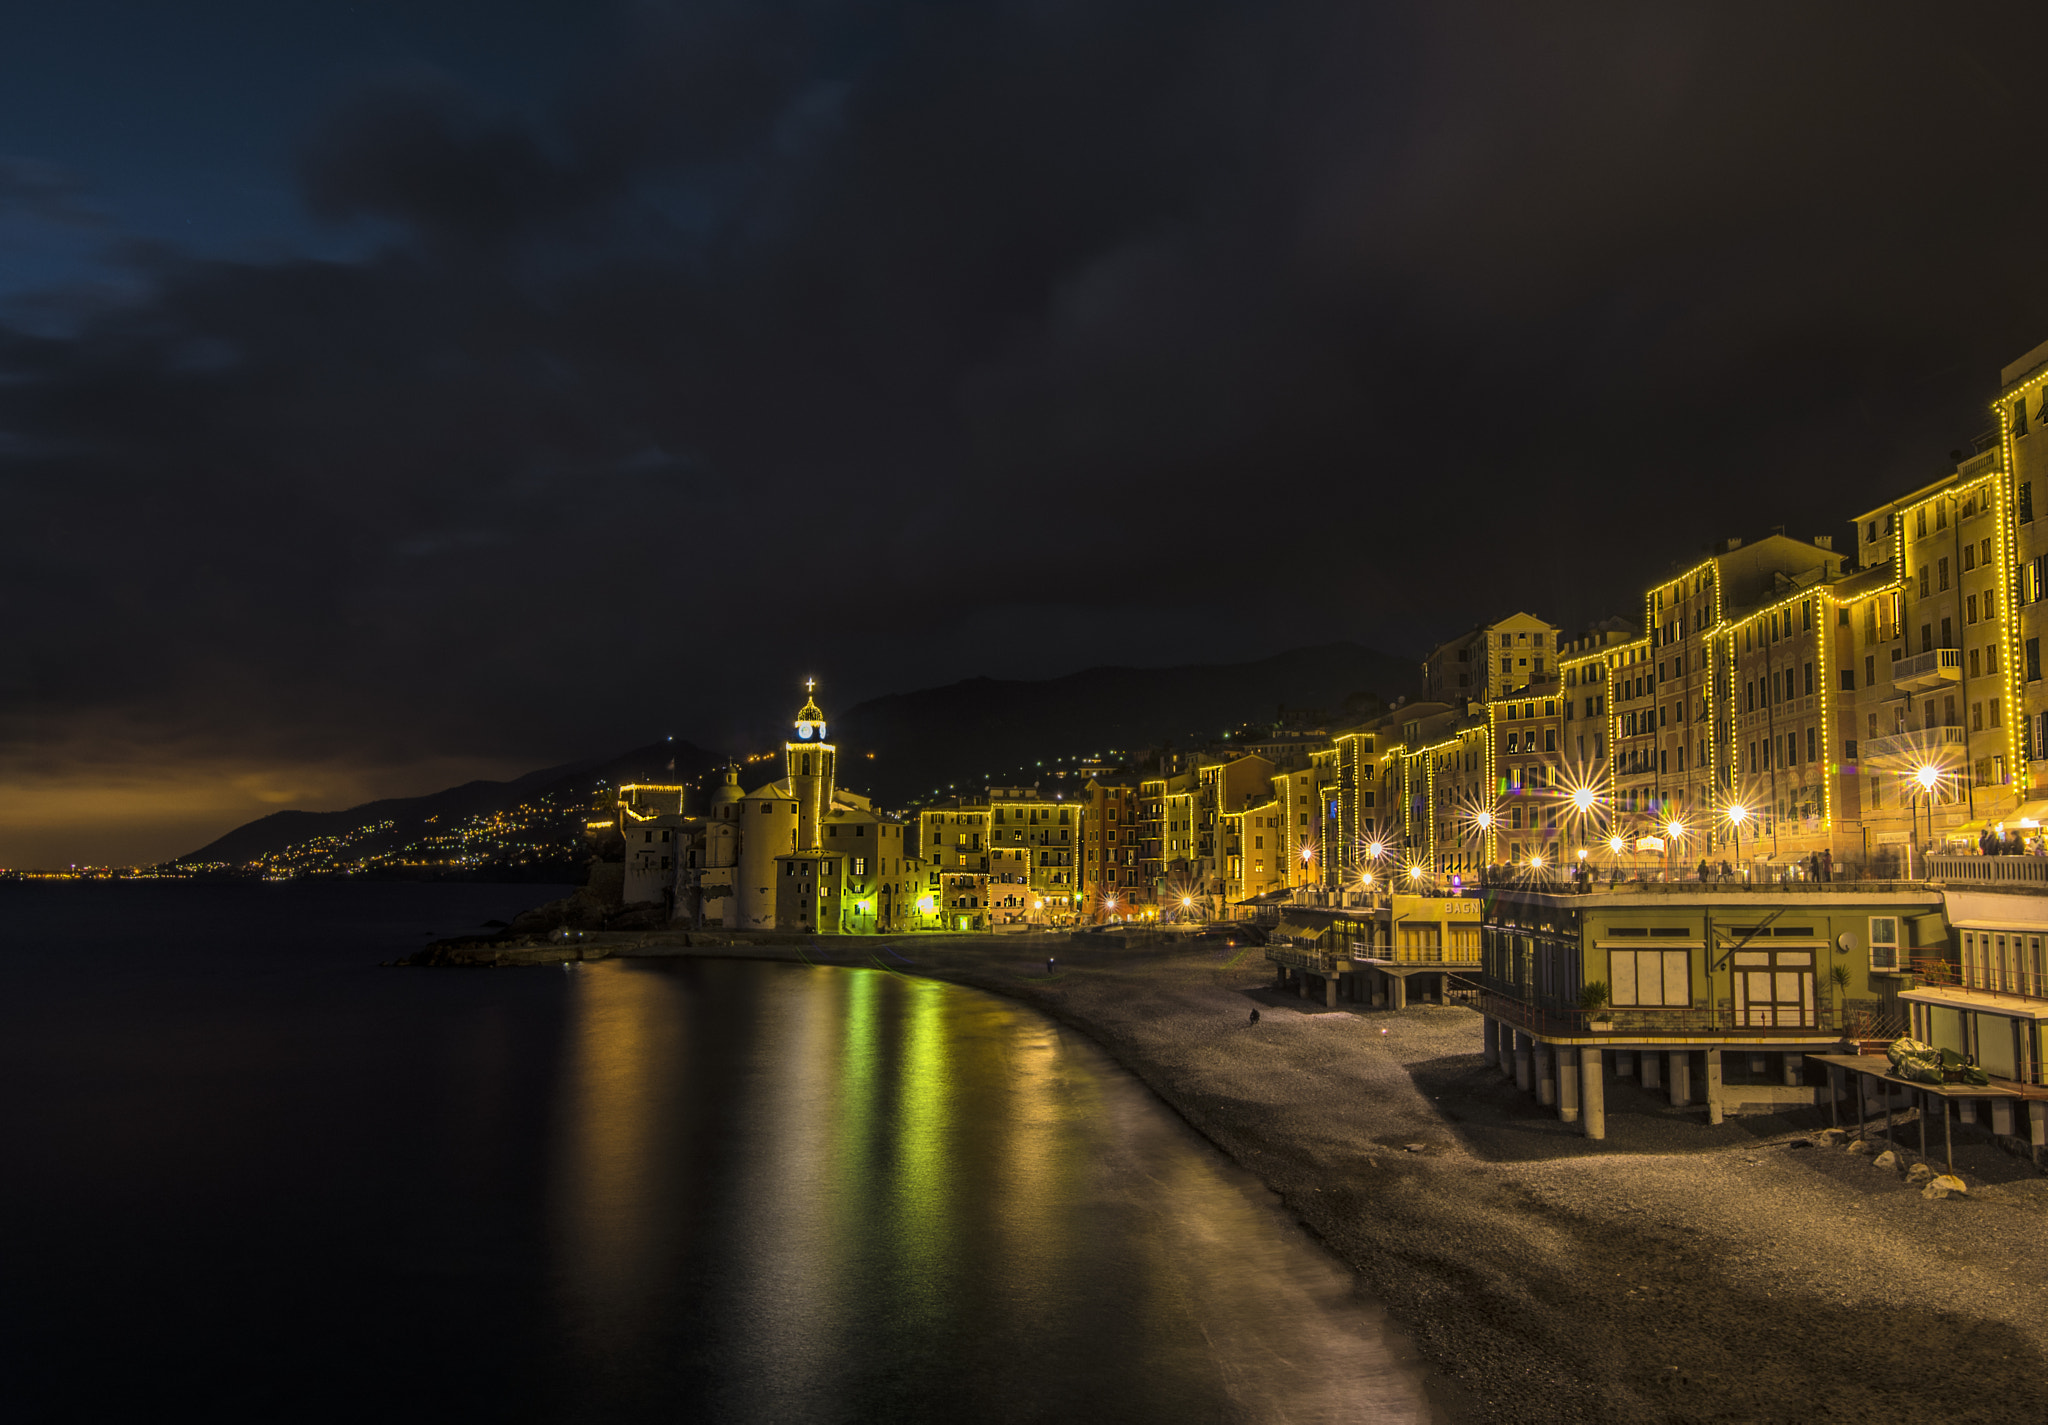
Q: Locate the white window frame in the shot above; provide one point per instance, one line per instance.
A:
(1887, 941)
(1629, 983)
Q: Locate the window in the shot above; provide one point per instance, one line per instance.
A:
(1849, 750)
(1969, 557)
(1650, 979)
(1941, 571)
(1923, 581)
(2033, 660)
(1994, 713)
(2026, 501)
(1809, 680)
(1870, 670)
(2019, 416)
(1926, 638)
(1884, 942)
(1810, 746)
(860, 865)
(1774, 988)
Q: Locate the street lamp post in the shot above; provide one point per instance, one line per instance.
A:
(1737, 814)
(1674, 830)
(1926, 777)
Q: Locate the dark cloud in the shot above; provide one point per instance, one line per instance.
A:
(901, 342)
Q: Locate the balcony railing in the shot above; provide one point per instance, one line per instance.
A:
(1858, 1019)
(1930, 746)
(1928, 670)
(1989, 870)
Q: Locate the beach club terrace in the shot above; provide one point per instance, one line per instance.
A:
(1381, 953)
(1711, 993)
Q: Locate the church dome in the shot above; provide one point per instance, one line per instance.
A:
(729, 789)
(810, 718)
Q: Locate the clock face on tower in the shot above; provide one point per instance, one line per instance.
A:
(803, 730)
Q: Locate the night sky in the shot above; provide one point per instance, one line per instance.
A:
(392, 393)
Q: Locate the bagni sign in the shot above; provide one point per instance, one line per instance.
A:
(1445, 908)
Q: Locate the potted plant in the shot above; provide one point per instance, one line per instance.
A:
(1838, 976)
(1593, 1000)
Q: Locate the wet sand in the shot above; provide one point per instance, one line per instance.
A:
(1675, 1272)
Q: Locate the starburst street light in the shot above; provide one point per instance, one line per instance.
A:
(1737, 814)
(1583, 799)
(1926, 777)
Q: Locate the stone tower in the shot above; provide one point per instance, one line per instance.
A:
(810, 758)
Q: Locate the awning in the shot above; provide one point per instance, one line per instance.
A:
(2029, 816)
(1297, 930)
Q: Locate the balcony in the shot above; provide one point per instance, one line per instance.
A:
(1989, 870)
(1920, 747)
(1926, 671)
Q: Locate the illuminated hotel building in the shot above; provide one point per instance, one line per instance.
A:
(1113, 880)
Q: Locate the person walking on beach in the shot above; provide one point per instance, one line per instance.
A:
(1255, 1016)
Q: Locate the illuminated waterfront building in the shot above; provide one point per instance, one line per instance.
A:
(1113, 883)
(1491, 661)
(800, 853)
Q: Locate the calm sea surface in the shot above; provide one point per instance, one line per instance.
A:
(249, 1175)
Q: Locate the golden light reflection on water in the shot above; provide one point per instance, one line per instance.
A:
(624, 1065)
(922, 1188)
(831, 1193)
(1041, 1163)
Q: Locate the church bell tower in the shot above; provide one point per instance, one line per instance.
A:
(810, 759)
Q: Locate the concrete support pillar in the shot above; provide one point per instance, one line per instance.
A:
(2001, 1116)
(1397, 991)
(2037, 1122)
(1679, 1062)
(1592, 1094)
(1567, 1086)
(1795, 1070)
(1525, 1062)
(1624, 1063)
(1330, 992)
(1759, 1064)
(1967, 1109)
(1653, 1066)
(1489, 1042)
(1713, 1085)
(1546, 1074)
(1301, 985)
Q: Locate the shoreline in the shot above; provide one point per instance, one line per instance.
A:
(1676, 1272)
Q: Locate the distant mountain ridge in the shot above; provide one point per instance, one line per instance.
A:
(567, 785)
(961, 734)
(965, 732)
